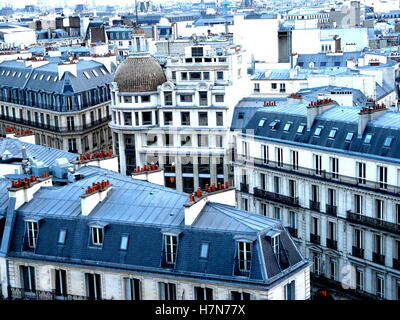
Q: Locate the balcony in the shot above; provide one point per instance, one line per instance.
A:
(373, 222)
(314, 238)
(292, 201)
(58, 129)
(292, 231)
(322, 175)
(331, 244)
(396, 264)
(378, 258)
(22, 294)
(314, 205)
(358, 252)
(331, 210)
(244, 187)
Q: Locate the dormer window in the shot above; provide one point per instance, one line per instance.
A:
(32, 233)
(61, 236)
(244, 255)
(204, 250)
(287, 126)
(318, 131)
(275, 245)
(274, 124)
(388, 142)
(124, 242)
(97, 236)
(261, 122)
(170, 248)
(332, 133)
(349, 136)
(300, 129)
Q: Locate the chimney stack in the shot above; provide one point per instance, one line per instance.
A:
(220, 193)
(369, 113)
(94, 195)
(315, 108)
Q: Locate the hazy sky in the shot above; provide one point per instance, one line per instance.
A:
(23, 3)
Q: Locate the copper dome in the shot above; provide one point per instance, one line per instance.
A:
(139, 74)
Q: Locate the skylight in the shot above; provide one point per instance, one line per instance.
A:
(14, 73)
(35, 76)
(300, 129)
(204, 250)
(261, 123)
(388, 142)
(48, 78)
(8, 72)
(287, 126)
(2, 73)
(124, 242)
(86, 74)
(274, 124)
(41, 77)
(103, 71)
(95, 73)
(332, 133)
(19, 75)
(368, 138)
(61, 236)
(318, 131)
(349, 136)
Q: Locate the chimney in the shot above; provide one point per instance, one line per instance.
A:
(69, 66)
(294, 98)
(102, 159)
(151, 173)
(220, 193)
(317, 107)
(369, 113)
(94, 195)
(24, 189)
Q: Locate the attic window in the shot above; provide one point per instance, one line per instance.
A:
(61, 236)
(97, 236)
(95, 73)
(274, 124)
(287, 126)
(41, 77)
(318, 131)
(349, 136)
(35, 76)
(19, 75)
(204, 250)
(124, 242)
(48, 78)
(55, 78)
(300, 129)
(275, 244)
(14, 73)
(368, 138)
(8, 73)
(27, 75)
(261, 123)
(337, 63)
(240, 115)
(2, 73)
(332, 133)
(103, 71)
(388, 142)
(323, 64)
(86, 75)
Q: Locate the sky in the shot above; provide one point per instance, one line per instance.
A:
(23, 3)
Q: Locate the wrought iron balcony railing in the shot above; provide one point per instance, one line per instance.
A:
(373, 222)
(268, 195)
(23, 294)
(331, 244)
(244, 187)
(330, 209)
(314, 238)
(314, 205)
(378, 258)
(293, 232)
(358, 252)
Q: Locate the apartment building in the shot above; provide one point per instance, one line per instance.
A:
(180, 117)
(117, 238)
(331, 173)
(65, 102)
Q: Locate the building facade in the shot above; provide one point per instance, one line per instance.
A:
(331, 174)
(64, 102)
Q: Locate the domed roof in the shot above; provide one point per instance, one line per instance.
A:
(139, 74)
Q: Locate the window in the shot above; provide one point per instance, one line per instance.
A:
(220, 75)
(264, 209)
(202, 140)
(185, 118)
(359, 279)
(334, 162)
(332, 269)
(194, 75)
(32, 233)
(28, 278)
(388, 142)
(368, 138)
(331, 197)
(332, 133)
(358, 204)
(293, 219)
(273, 86)
(318, 164)
(349, 136)
(170, 248)
(378, 244)
(382, 176)
(256, 87)
(277, 213)
(358, 238)
(186, 140)
(186, 98)
(317, 263)
(300, 129)
(218, 141)
(132, 288)
(290, 291)
(244, 255)
(72, 145)
(274, 124)
(360, 170)
(292, 188)
(277, 184)
(124, 243)
(220, 119)
(318, 131)
(197, 51)
(264, 153)
(61, 283)
(275, 240)
(203, 294)
(380, 286)
(203, 119)
(93, 286)
(167, 291)
(206, 75)
(168, 140)
(203, 96)
(167, 118)
(379, 209)
(219, 98)
(294, 159)
(236, 295)
(315, 226)
(145, 99)
(287, 126)
(282, 87)
(97, 236)
(279, 156)
(184, 75)
(61, 236)
(168, 98)
(204, 250)
(261, 122)
(332, 230)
